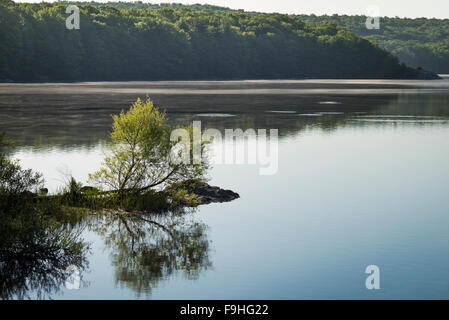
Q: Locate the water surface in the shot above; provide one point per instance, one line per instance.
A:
(362, 180)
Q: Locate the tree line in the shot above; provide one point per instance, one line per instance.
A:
(181, 43)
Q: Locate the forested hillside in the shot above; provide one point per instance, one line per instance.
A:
(417, 42)
(181, 43)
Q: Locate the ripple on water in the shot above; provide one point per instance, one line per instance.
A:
(329, 102)
(319, 114)
(396, 116)
(331, 113)
(399, 120)
(215, 115)
(281, 111)
(310, 114)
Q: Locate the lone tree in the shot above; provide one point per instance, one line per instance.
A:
(142, 155)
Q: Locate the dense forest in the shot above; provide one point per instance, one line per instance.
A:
(165, 43)
(416, 42)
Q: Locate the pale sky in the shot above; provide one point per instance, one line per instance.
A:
(401, 8)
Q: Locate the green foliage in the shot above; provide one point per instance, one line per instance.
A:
(141, 159)
(141, 156)
(73, 190)
(14, 179)
(138, 41)
(153, 6)
(417, 42)
(149, 201)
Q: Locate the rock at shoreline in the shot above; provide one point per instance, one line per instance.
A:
(208, 194)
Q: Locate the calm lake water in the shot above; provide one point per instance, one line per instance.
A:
(362, 180)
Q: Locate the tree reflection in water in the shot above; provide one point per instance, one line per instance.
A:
(35, 252)
(146, 249)
(36, 248)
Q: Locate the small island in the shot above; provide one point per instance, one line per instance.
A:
(146, 170)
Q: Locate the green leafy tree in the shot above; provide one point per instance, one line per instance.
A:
(142, 155)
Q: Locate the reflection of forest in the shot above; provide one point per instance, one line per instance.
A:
(74, 120)
(146, 249)
(433, 105)
(85, 119)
